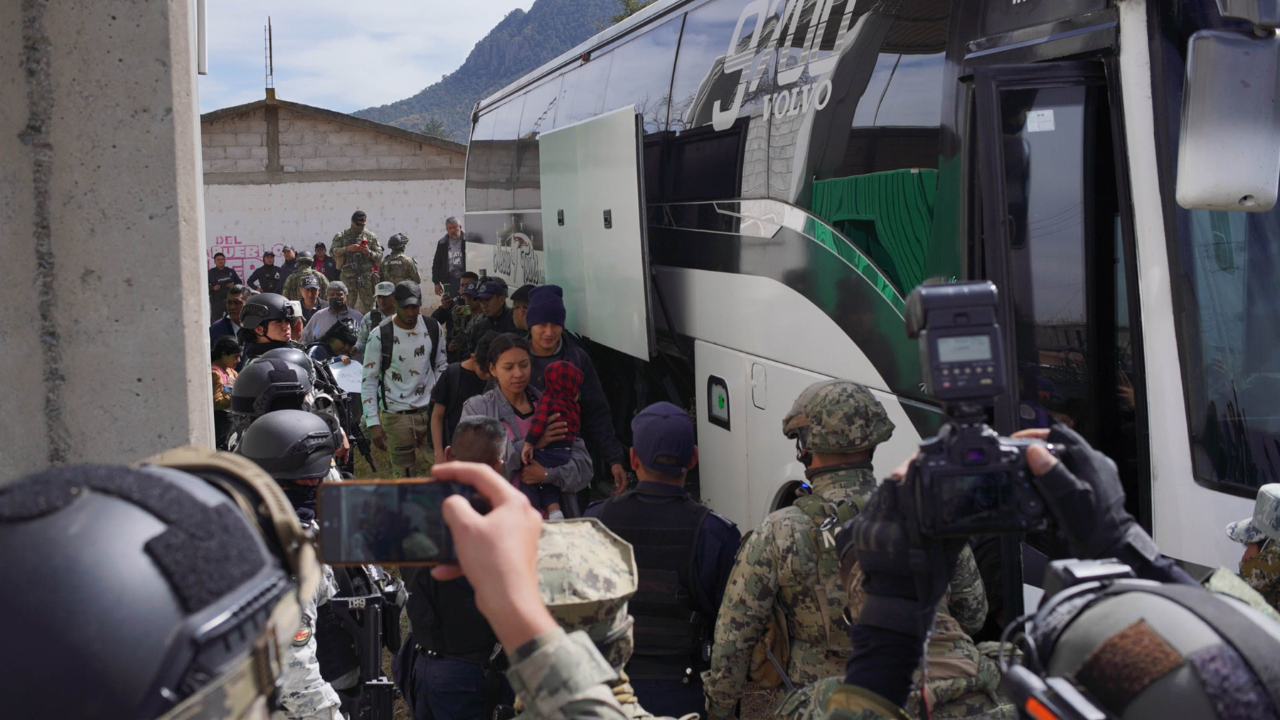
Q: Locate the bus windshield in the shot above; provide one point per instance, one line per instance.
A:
(1226, 283)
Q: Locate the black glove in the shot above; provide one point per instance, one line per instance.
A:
(1085, 496)
(905, 574)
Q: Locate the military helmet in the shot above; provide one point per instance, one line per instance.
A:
(837, 416)
(1133, 649)
(267, 384)
(263, 308)
(295, 356)
(586, 574)
(1265, 522)
(157, 591)
(398, 241)
(289, 444)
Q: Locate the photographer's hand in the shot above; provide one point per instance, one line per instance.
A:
(1085, 496)
(1083, 492)
(497, 552)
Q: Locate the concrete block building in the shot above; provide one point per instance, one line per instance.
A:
(282, 173)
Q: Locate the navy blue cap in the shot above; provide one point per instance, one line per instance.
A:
(664, 431)
(491, 288)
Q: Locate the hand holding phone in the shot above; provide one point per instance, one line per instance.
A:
(389, 522)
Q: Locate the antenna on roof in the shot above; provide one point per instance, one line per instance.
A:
(270, 77)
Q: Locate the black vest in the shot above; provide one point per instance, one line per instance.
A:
(669, 630)
(445, 620)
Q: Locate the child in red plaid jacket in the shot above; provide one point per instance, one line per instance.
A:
(562, 384)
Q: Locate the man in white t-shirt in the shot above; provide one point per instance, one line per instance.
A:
(400, 379)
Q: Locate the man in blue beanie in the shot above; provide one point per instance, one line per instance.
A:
(550, 343)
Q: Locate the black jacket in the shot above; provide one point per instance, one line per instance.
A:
(597, 418)
(440, 263)
(268, 279)
(444, 617)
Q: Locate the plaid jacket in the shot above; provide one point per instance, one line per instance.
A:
(562, 382)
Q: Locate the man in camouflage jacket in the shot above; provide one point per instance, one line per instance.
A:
(357, 252)
(789, 560)
(398, 267)
(1260, 535)
(293, 284)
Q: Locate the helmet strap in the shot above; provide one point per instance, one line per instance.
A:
(802, 453)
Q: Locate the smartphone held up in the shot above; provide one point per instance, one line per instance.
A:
(389, 522)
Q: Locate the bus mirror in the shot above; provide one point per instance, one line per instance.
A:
(1229, 151)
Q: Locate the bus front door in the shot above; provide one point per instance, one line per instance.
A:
(1057, 241)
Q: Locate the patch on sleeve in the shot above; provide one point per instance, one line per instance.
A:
(303, 636)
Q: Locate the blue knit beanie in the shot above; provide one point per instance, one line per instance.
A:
(546, 305)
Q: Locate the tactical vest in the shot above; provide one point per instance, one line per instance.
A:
(445, 620)
(825, 519)
(669, 630)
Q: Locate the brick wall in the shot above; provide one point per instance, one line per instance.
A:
(310, 143)
(236, 144)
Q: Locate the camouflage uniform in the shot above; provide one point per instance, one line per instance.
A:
(1262, 571)
(357, 268)
(782, 562)
(398, 267)
(586, 575)
(303, 692)
(293, 284)
(962, 679)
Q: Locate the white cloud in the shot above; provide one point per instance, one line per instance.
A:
(342, 55)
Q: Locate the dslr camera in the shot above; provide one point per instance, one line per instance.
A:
(971, 480)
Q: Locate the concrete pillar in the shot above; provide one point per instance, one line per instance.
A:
(104, 351)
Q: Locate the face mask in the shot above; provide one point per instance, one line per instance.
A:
(1262, 572)
(337, 304)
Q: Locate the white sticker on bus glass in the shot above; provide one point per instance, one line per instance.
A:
(1040, 121)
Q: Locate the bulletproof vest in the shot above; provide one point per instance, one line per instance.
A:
(444, 618)
(337, 648)
(669, 630)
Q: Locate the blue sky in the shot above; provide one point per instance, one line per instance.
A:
(342, 55)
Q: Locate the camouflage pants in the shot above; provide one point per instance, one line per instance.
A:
(407, 435)
(360, 291)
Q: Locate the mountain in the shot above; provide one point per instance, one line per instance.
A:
(520, 43)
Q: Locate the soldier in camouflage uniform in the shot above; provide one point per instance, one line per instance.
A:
(586, 575)
(790, 560)
(303, 692)
(963, 680)
(397, 266)
(293, 284)
(357, 252)
(1260, 534)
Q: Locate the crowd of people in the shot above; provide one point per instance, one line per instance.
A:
(641, 604)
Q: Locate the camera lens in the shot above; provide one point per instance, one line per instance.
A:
(975, 456)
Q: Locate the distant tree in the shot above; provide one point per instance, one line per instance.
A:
(629, 8)
(435, 127)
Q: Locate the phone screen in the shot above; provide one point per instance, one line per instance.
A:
(447, 289)
(388, 522)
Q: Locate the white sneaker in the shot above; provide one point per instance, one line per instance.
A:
(555, 515)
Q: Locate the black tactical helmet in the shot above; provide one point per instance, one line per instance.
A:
(267, 384)
(1133, 649)
(398, 241)
(295, 356)
(289, 445)
(263, 308)
(157, 591)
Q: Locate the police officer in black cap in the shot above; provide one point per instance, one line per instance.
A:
(685, 553)
(269, 278)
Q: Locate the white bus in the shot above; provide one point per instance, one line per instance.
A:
(806, 163)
